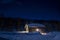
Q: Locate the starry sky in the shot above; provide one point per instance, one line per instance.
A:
(31, 9)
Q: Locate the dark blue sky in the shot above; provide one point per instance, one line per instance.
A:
(40, 10)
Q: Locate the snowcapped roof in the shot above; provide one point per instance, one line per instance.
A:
(36, 25)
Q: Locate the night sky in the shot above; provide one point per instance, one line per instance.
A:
(31, 9)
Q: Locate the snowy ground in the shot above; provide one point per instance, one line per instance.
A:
(26, 36)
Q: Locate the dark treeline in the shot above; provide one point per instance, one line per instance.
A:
(10, 23)
(18, 23)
